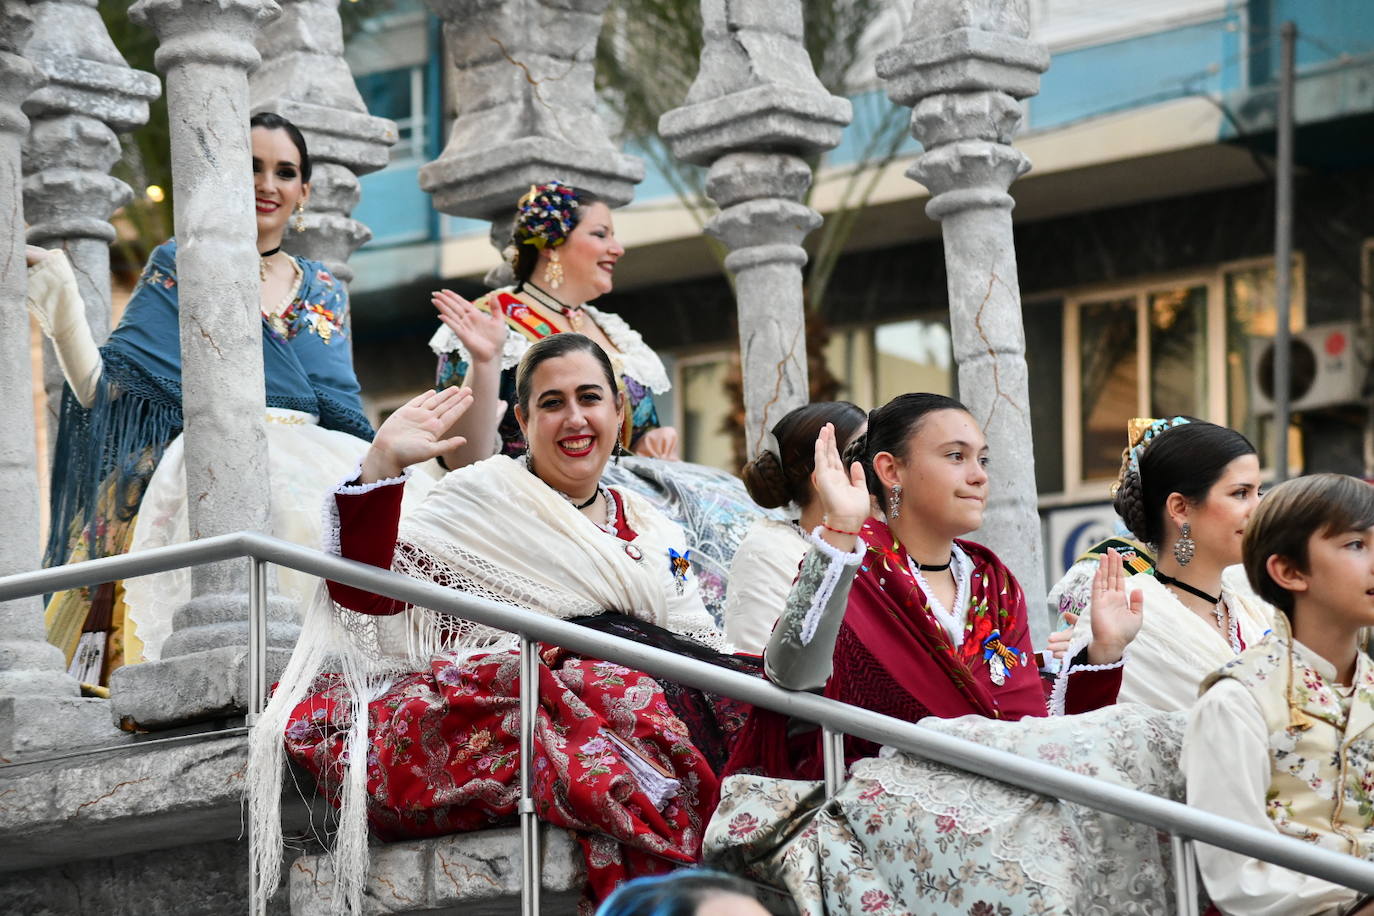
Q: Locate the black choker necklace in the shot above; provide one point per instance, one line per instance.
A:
(595, 494)
(1196, 592)
(262, 264)
(932, 567)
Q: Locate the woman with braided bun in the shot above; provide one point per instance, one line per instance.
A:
(1187, 488)
(903, 616)
(768, 557)
(563, 251)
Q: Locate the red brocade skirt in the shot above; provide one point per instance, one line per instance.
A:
(443, 756)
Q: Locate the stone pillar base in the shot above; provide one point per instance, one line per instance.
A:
(187, 688)
(31, 725)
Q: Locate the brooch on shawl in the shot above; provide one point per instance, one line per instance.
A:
(1000, 657)
(678, 565)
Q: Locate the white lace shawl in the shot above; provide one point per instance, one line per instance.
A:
(497, 531)
(634, 358)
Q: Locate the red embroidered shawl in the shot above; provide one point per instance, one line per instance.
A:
(892, 656)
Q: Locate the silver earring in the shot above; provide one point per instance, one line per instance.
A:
(1185, 546)
(894, 502)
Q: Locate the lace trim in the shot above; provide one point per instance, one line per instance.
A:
(1059, 695)
(445, 341)
(963, 586)
(329, 506)
(839, 561)
(637, 358)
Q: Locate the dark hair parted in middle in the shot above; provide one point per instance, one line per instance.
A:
(552, 347)
(775, 479)
(1185, 459)
(273, 121)
(890, 427)
(1285, 520)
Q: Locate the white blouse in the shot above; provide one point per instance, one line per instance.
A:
(761, 575)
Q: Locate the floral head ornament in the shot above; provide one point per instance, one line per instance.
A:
(544, 216)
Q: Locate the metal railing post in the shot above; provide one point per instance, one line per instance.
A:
(257, 701)
(529, 825)
(1185, 875)
(832, 760)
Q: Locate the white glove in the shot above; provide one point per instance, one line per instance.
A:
(54, 300)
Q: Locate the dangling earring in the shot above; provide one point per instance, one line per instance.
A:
(894, 502)
(553, 273)
(298, 221)
(1185, 546)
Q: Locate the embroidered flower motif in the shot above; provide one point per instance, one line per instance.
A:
(875, 901)
(945, 823)
(741, 825)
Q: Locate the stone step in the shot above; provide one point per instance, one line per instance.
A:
(465, 874)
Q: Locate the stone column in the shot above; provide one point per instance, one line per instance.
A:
(525, 89)
(305, 79)
(753, 115)
(40, 705)
(207, 48)
(962, 68)
(91, 96)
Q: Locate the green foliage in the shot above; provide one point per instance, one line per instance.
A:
(144, 223)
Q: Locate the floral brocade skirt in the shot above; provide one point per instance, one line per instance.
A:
(614, 762)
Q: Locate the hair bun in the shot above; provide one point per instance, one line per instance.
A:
(765, 480)
(1129, 503)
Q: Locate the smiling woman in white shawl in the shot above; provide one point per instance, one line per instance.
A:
(429, 705)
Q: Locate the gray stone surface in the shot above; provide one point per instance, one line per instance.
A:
(962, 68)
(141, 797)
(524, 86)
(29, 665)
(304, 78)
(192, 687)
(754, 111)
(32, 725)
(467, 874)
(204, 879)
(207, 48)
(90, 97)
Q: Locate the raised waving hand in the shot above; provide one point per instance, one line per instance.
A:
(482, 332)
(1116, 615)
(843, 492)
(416, 433)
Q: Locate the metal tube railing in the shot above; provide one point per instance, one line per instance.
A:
(1185, 824)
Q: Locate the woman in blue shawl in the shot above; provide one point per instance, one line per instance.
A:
(118, 478)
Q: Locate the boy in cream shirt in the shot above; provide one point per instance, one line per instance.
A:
(1283, 737)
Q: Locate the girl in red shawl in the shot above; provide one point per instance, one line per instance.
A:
(904, 618)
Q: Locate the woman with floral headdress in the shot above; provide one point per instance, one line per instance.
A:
(1187, 488)
(564, 253)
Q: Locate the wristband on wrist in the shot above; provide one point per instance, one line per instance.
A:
(838, 530)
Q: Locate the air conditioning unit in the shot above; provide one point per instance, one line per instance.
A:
(1324, 368)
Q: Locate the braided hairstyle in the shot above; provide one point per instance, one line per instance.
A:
(890, 428)
(1186, 459)
(544, 218)
(776, 478)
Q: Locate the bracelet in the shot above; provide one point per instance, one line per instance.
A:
(839, 530)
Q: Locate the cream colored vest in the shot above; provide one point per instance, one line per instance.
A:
(1321, 744)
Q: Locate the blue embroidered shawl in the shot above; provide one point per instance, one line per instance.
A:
(307, 366)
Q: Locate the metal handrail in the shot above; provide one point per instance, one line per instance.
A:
(1182, 822)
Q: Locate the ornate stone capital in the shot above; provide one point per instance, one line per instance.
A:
(211, 32)
(305, 79)
(524, 85)
(755, 89)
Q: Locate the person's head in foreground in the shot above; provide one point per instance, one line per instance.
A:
(1309, 551)
(692, 892)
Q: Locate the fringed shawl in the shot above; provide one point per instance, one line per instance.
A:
(491, 529)
(137, 409)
